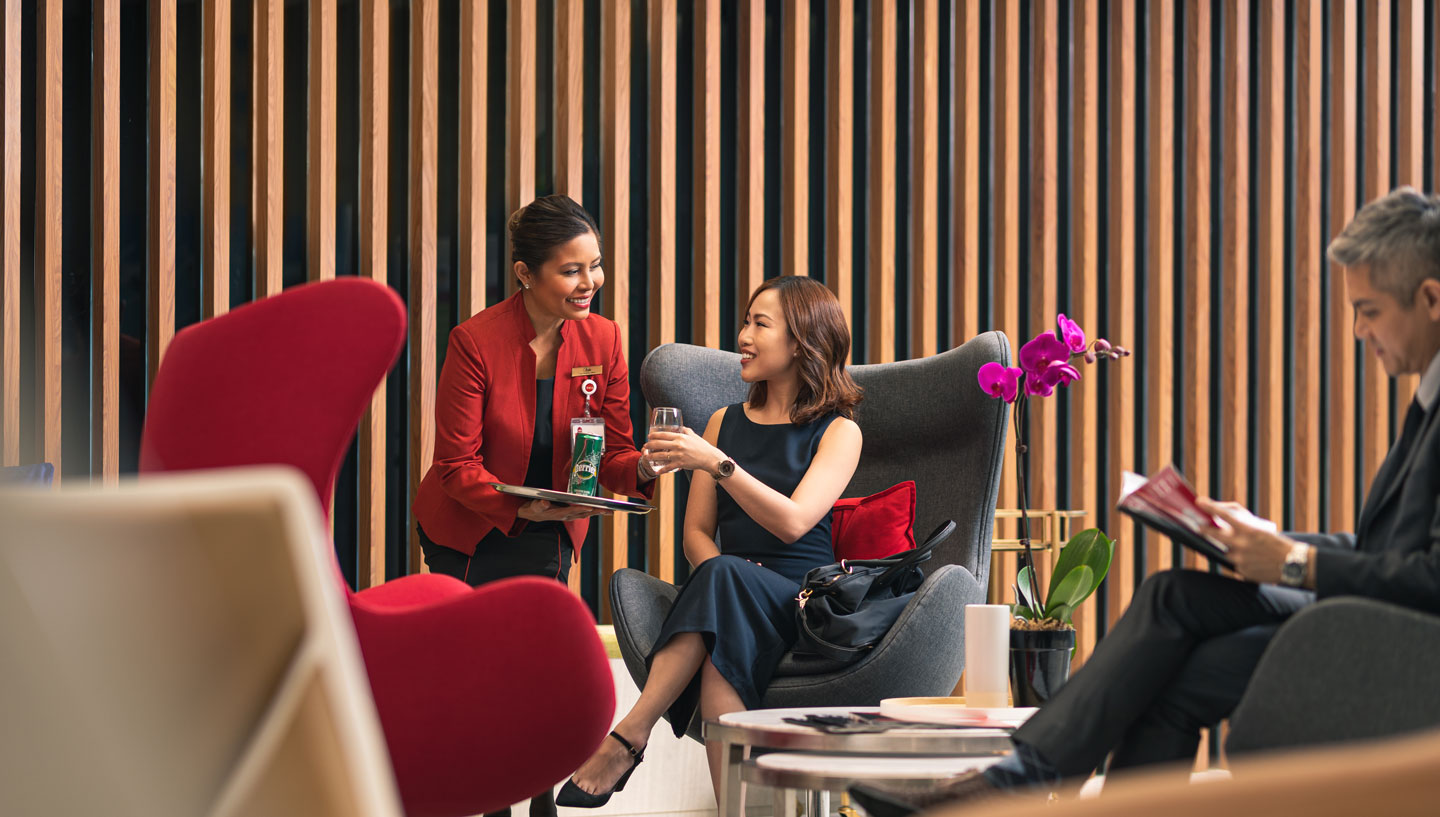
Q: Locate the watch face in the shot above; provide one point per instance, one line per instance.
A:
(1293, 573)
(727, 467)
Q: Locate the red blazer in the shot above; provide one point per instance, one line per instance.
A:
(485, 422)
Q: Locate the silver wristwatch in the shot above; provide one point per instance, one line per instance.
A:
(724, 468)
(1297, 565)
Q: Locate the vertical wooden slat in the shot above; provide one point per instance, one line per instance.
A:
(1044, 241)
(706, 253)
(1377, 51)
(105, 241)
(374, 201)
(1084, 282)
(661, 303)
(519, 114)
(1409, 118)
(795, 141)
(160, 243)
(1120, 248)
(1270, 256)
(750, 151)
(840, 153)
(424, 91)
(10, 234)
(49, 164)
(1196, 437)
(1160, 259)
(320, 132)
(968, 209)
(215, 220)
(1235, 255)
(474, 115)
(1005, 297)
(1309, 265)
(1340, 351)
(269, 146)
(615, 224)
(569, 97)
(880, 267)
(925, 182)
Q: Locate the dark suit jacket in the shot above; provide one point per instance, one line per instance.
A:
(485, 422)
(1394, 555)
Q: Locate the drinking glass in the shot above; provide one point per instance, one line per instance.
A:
(664, 418)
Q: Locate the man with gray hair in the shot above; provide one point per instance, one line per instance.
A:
(1181, 656)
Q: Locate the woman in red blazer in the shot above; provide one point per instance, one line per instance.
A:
(514, 376)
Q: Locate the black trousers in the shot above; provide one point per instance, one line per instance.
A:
(541, 549)
(1176, 662)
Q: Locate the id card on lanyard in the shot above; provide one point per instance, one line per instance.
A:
(588, 424)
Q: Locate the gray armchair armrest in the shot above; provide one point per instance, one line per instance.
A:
(1343, 669)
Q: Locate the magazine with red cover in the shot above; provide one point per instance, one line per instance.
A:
(1166, 503)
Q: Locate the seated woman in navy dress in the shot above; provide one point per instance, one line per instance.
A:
(764, 477)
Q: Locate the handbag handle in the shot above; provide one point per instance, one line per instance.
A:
(898, 564)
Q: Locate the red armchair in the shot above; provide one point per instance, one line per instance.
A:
(486, 696)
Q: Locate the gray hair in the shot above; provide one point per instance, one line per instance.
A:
(1398, 237)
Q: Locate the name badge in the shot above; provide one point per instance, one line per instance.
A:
(585, 371)
(589, 425)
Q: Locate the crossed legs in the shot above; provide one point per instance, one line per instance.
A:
(671, 671)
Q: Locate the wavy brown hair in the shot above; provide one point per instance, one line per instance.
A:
(817, 324)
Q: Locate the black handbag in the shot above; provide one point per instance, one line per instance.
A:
(844, 609)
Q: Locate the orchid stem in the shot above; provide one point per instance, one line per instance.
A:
(1021, 469)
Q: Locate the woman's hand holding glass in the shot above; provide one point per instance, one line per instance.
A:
(673, 450)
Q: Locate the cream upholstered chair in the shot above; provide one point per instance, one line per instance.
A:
(1394, 777)
(179, 646)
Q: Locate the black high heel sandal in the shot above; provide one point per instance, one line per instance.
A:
(572, 796)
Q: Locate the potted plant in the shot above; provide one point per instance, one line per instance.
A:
(1042, 636)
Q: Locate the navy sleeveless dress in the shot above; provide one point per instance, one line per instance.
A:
(743, 601)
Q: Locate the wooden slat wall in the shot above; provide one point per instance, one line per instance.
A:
(795, 141)
(267, 209)
(215, 220)
(1198, 251)
(10, 448)
(615, 227)
(1340, 351)
(374, 200)
(49, 33)
(320, 133)
(661, 24)
(105, 239)
(1084, 206)
(840, 153)
(474, 118)
(1162, 207)
(1120, 283)
(424, 142)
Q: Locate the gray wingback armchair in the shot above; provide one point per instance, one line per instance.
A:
(925, 420)
(1344, 669)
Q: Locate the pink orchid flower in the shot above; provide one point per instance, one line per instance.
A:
(1000, 381)
(1071, 333)
(1037, 355)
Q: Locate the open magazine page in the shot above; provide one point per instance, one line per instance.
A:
(1166, 503)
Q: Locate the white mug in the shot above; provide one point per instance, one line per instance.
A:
(987, 654)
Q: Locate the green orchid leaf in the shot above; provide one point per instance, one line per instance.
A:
(1072, 590)
(1023, 590)
(1089, 547)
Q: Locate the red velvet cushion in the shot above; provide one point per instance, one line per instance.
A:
(875, 526)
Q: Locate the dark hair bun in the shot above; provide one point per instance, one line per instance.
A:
(544, 224)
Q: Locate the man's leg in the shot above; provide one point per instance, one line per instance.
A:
(1171, 615)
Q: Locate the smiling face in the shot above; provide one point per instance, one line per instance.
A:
(564, 285)
(766, 348)
(1404, 338)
